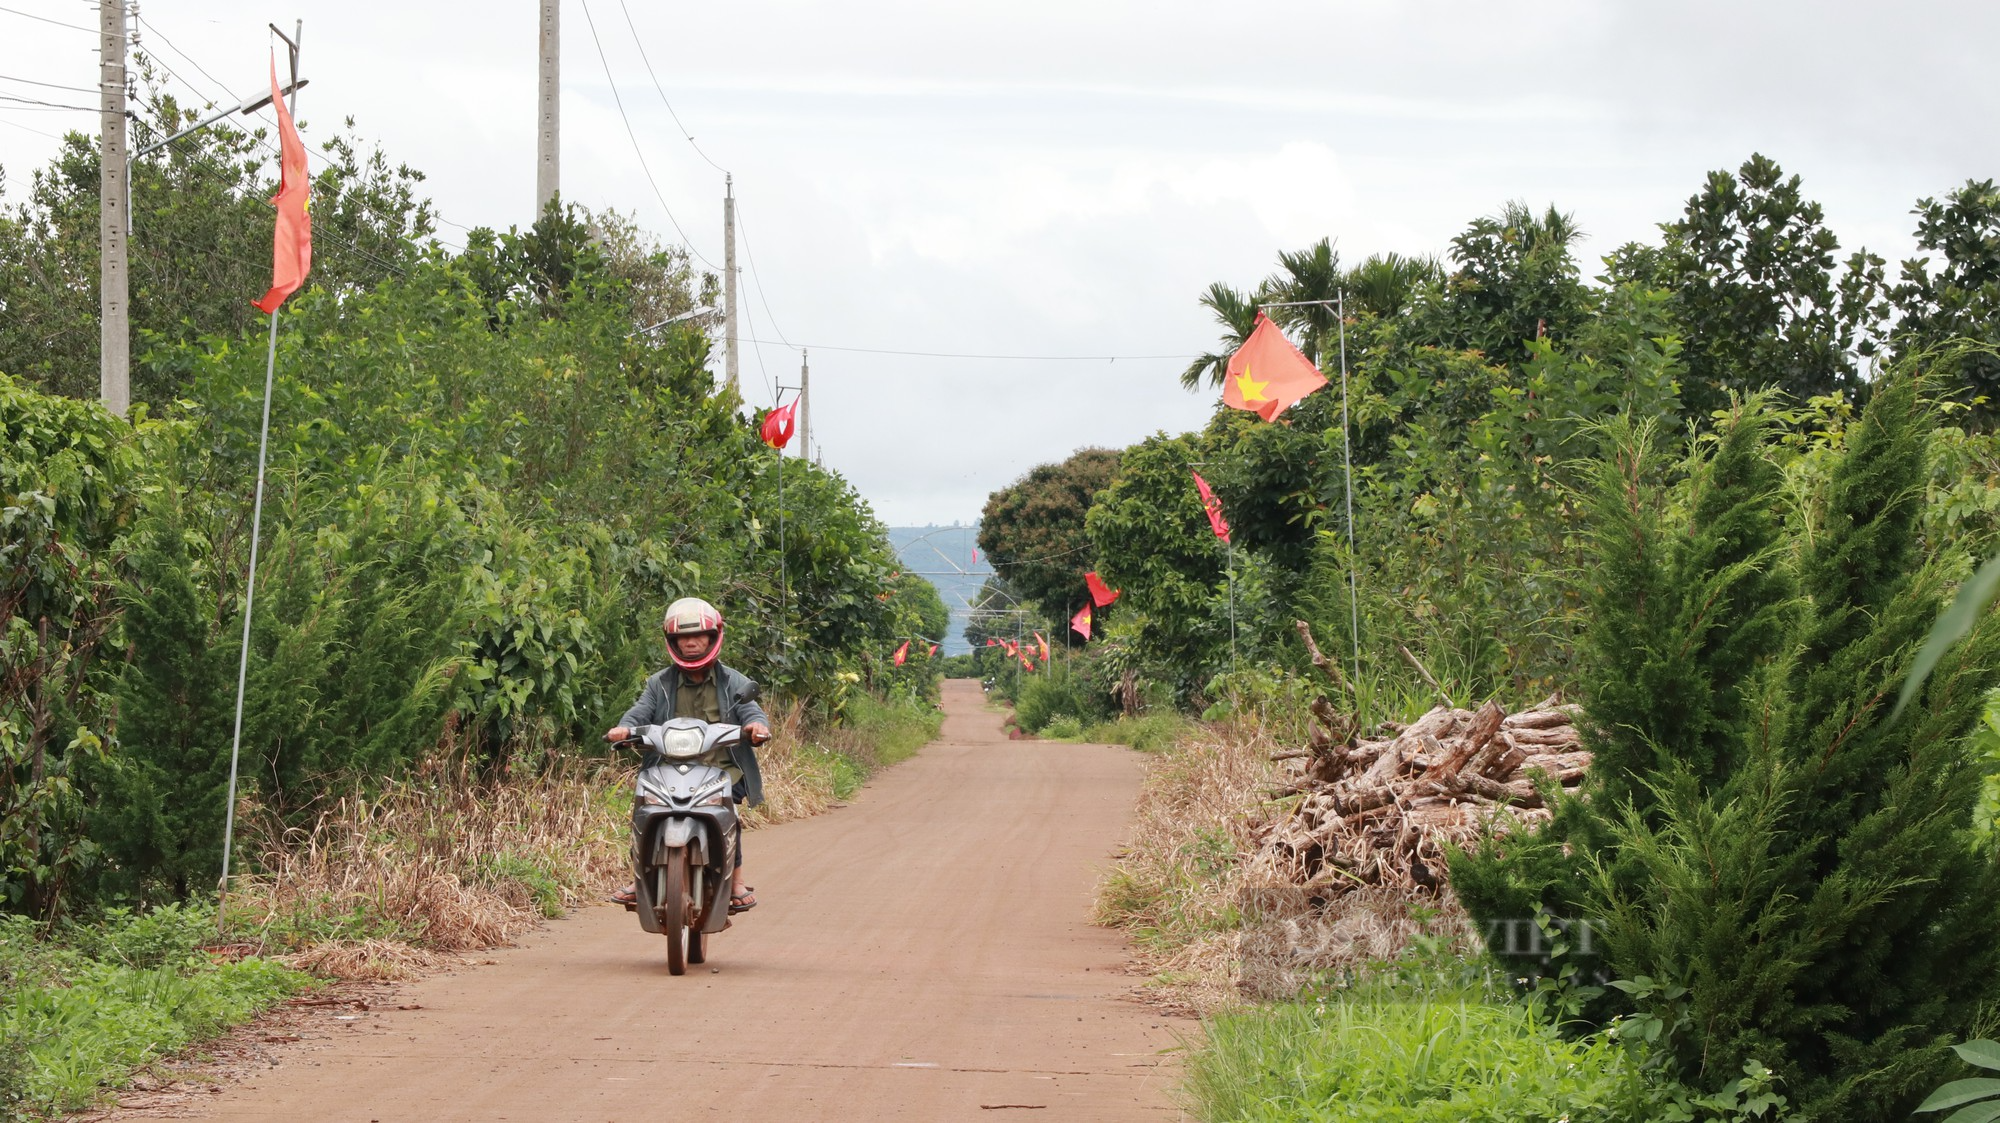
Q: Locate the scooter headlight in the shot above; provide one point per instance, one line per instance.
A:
(680, 744)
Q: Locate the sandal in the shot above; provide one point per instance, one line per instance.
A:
(627, 896)
(744, 901)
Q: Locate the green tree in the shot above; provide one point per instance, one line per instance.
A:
(1515, 282)
(1757, 294)
(1032, 531)
(200, 248)
(1961, 300)
(69, 483)
(1755, 830)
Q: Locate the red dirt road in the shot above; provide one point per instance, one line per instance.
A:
(922, 954)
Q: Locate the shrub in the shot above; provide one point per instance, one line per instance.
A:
(1755, 829)
(1042, 698)
(1381, 1053)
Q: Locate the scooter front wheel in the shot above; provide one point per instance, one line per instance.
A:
(674, 911)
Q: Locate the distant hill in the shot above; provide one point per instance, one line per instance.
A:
(943, 555)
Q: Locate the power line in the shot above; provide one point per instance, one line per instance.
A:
(263, 141)
(45, 19)
(769, 383)
(754, 277)
(26, 129)
(50, 85)
(963, 355)
(689, 137)
(47, 105)
(620, 103)
(150, 26)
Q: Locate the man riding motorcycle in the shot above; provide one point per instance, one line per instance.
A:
(699, 685)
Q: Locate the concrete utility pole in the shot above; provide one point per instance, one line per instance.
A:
(114, 354)
(548, 114)
(805, 406)
(729, 279)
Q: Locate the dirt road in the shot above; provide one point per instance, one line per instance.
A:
(922, 954)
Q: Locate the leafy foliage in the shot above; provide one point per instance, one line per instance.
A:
(1032, 531)
(1755, 829)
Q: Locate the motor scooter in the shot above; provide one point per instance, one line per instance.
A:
(684, 833)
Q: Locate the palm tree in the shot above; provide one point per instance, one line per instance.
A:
(1310, 280)
(1237, 313)
(1387, 283)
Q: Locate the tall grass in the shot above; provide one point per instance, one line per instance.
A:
(1176, 885)
(1389, 1052)
(403, 875)
(447, 860)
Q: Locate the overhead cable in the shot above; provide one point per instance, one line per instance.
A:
(50, 85)
(620, 103)
(46, 105)
(754, 277)
(45, 19)
(689, 137)
(964, 355)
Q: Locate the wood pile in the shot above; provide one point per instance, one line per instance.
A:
(1381, 811)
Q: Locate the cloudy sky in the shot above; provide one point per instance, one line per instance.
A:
(1062, 179)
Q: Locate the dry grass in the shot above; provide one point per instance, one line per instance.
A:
(1211, 929)
(445, 861)
(798, 779)
(1177, 883)
(387, 883)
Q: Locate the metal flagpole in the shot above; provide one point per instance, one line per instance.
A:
(256, 532)
(1231, 555)
(1347, 465)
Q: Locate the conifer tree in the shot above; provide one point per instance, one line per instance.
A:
(1755, 830)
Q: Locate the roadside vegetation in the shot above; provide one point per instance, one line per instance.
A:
(491, 468)
(1700, 513)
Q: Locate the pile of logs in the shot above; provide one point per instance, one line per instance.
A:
(1381, 811)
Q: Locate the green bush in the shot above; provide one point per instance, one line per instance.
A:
(1755, 831)
(1041, 698)
(1063, 727)
(1383, 1053)
(84, 1009)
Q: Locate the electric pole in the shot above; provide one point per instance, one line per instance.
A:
(805, 406)
(729, 280)
(548, 156)
(114, 354)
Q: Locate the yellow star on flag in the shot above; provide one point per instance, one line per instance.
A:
(1252, 391)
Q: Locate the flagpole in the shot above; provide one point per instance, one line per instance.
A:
(1347, 465)
(256, 532)
(1230, 547)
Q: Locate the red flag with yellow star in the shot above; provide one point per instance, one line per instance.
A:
(1267, 374)
(291, 242)
(1080, 623)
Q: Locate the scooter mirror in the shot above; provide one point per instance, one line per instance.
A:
(752, 691)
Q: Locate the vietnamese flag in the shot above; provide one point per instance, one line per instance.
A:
(291, 242)
(1081, 621)
(1044, 645)
(902, 653)
(1267, 374)
(933, 650)
(1212, 505)
(1101, 594)
(778, 424)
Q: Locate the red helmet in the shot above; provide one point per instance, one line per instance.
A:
(690, 616)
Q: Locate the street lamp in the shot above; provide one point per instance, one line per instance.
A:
(688, 315)
(248, 106)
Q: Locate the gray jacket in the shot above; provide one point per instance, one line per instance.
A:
(656, 706)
